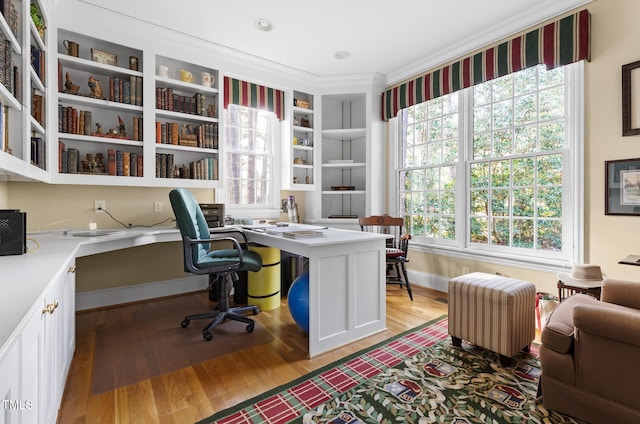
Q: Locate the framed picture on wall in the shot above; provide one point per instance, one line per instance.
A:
(622, 187)
(631, 99)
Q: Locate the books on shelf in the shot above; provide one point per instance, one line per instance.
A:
(204, 135)
(126, 91)
(302, 234)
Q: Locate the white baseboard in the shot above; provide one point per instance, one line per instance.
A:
(431, 281)
(108, 297)
(115, 296)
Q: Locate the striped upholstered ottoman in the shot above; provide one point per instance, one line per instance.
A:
(493, 312)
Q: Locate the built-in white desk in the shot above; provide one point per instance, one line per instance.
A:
(37, 316)
(347, 298)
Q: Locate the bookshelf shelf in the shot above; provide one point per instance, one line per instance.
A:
(174, 147)
(100, 103)
(298, 147)
(91, 66)
(35, 79)
(184, 116)
(80, 116)
(7, 99)
(186, 86)
(97, 139)
(186, 121)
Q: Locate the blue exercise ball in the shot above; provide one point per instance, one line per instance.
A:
(298, 301)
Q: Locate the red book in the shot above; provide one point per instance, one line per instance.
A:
(111, 161)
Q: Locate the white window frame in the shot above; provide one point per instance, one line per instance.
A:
(272, 210)
(573, 192)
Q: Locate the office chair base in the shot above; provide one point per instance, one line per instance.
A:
(234, 314)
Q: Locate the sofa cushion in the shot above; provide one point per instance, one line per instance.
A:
(558, 334)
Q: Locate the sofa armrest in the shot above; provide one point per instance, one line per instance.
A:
(621, 292)
(608, 320)
(558, 333)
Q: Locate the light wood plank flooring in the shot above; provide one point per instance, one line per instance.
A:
(196, 392)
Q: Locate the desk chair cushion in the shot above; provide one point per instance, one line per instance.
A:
(393, 253)
(228, 257)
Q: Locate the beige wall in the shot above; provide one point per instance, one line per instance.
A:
(615, 34)
(57, 207)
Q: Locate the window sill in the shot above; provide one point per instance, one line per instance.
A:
(500, 258)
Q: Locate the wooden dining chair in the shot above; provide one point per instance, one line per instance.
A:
(397, 246)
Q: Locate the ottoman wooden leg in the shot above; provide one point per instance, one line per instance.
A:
(456, 341)
(505, 361)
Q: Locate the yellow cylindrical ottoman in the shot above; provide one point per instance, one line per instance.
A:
(263, 287)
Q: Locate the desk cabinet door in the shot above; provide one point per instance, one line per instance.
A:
(10, 399)
(48, 341)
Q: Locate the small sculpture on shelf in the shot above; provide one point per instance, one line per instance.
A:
(93, 164)
(98, 129)
(70, 87)
(121, 128)
(96, 88)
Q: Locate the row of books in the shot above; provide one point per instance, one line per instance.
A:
(119, 163)
(38, 152)
(204, 135)
(10, 13)
(126, 91)
(74, 121)
(9, 73)
(166, 99)
(203, 169)
(38, 62)
(127, 164)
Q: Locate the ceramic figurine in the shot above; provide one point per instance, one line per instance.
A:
(96, 89)
(69, 86)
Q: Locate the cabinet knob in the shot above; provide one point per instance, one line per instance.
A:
(50, 308)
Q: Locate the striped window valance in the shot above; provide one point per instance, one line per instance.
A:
(555, 44)
(257, 96)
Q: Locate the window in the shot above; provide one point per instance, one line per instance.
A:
(250, 136)
(490, 167)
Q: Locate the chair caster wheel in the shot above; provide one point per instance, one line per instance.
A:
(250, 328)
(207, 336)
(184, 323)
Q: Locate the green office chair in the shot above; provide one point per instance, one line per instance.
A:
(200, 257)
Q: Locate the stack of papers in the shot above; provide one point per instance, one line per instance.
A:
(294, 230)
(302, 234)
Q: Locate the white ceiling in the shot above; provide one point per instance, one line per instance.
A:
(393, 38)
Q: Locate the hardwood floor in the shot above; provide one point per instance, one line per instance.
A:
(198, 391)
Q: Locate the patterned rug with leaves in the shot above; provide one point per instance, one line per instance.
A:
(415, 377)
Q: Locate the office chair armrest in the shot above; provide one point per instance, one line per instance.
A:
(189, 242)
(245, 241)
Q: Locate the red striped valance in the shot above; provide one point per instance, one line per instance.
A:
(257, 96)
(559, 43)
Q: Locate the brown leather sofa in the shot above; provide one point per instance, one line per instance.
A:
(590, 355)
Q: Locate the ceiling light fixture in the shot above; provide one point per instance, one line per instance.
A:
(342, 55)
(263, 25)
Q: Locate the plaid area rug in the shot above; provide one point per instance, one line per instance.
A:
(415, 377)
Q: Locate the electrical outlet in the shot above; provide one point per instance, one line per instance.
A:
(99, 206)
(157, 206)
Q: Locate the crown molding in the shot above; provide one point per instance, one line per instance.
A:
(547, 10)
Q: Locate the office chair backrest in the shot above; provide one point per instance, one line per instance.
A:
(191, 221)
